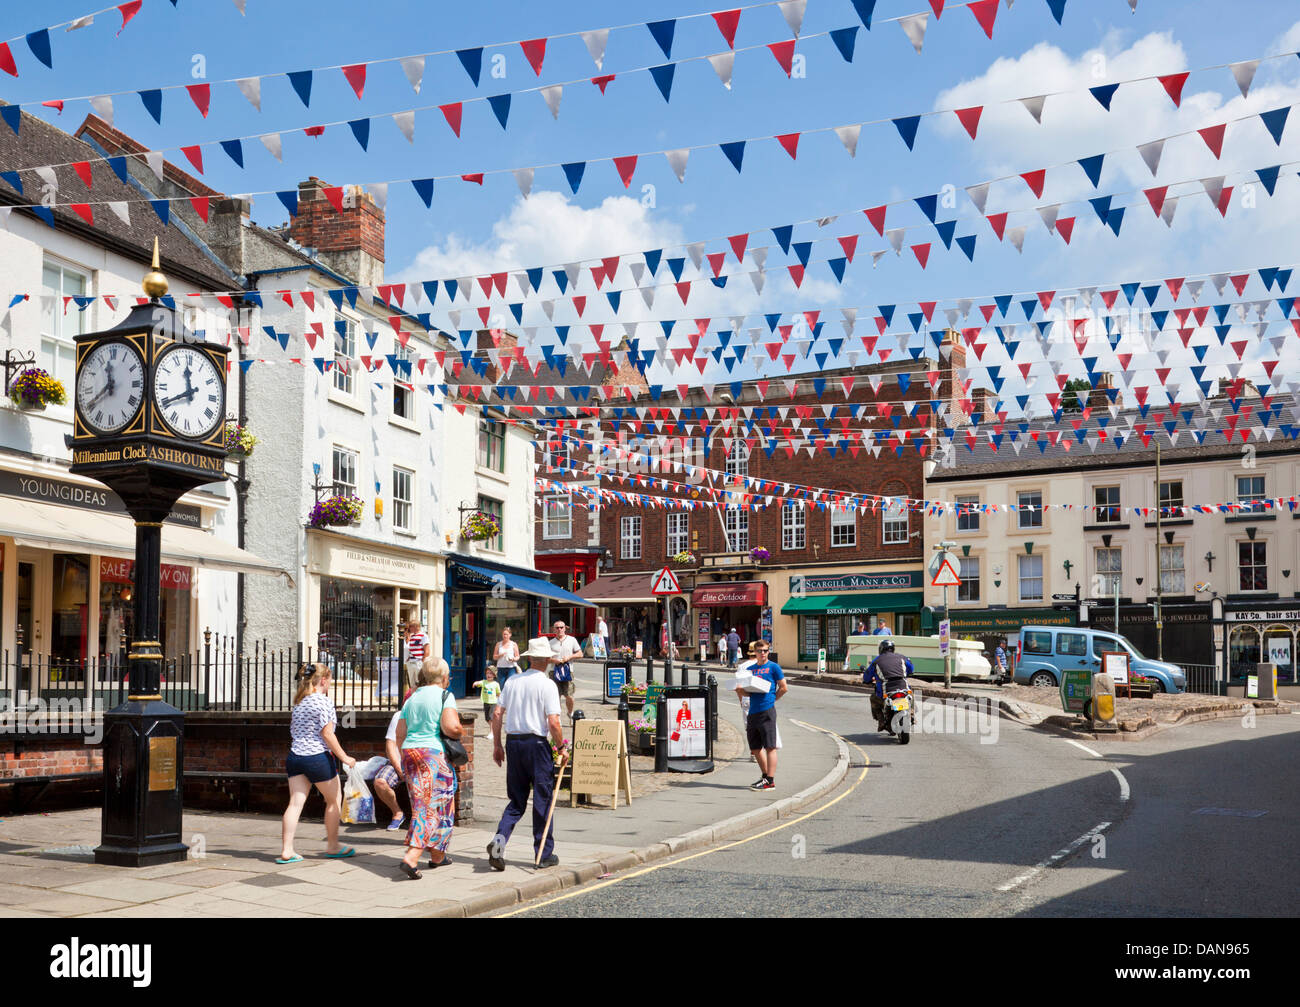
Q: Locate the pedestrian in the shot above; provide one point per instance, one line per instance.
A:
(602, 631)
(861, 630)
(760, 721)
(390, 775)
(490, 691)
(1000, 660)
(506, 656)
(417, 644)
(882, 629)
(311, 761)
(528, 711)
(428, 716)
(733, 647)
(564, 649)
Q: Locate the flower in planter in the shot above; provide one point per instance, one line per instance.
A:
(239, 440)
(558, 752)
(684, 558)
(34, 388)
(336, 510)
(635, 690)
(481, 526)
(641, 726)
(758, 554)
(622, 652)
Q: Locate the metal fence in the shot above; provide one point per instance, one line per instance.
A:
(213, 678)
(1201, 678)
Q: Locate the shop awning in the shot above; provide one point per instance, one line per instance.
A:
(854, 604)
(619, 589)
(69, 529)
(511, 581)
(728, 595)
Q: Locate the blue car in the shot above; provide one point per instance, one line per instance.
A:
(1045, 650)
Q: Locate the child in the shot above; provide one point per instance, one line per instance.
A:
(491, 691)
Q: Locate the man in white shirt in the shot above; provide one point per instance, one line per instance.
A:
(528, 710)
(602, 631)
(564, 649)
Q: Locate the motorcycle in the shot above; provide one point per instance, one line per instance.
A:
(897, 708)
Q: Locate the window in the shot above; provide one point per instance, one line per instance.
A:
(1030, 509)
(556, 455)
(679, 533)
(557, 516)
(403, 500)
(1031, 578)
(494, 507)
(1072, 644)
(1106, 509)
(1038, 641)
(403, 394)
(492, 445)
(345, 351)
(60, 324)
(1171, 493)
(1252, 562)
(345, 472)
(894, 524)
(968, 517)
(1250, 490)
(969, 572)
(737, 527)
(844, 527)
(629, 538)
(1110, 570)
(1172, 578)
(793, 528)
(738, 459)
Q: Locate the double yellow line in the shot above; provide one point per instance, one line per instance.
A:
(587, 890)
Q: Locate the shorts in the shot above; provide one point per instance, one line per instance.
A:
(566, 688)
(389, 775)
(760, 729)
(317, 768)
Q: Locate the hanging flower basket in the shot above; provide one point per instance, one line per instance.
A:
(239, 441)
(35, 389)
(481, 526)
(685, 558)
(758, 554)
(335, 511)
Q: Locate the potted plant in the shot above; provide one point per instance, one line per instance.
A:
(558, 752)
(336, 511)
(35, 389)
(758, 554)
(641, 736)
(481, 526)
(239, 441)
(684, 558)
(635, 693)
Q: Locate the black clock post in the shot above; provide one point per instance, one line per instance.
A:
(150, 457)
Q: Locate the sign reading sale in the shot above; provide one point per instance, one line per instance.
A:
(122, 571)
(687, 725)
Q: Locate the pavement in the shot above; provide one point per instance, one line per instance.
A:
(47, 867)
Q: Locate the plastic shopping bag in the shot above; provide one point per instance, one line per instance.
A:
(358, 805)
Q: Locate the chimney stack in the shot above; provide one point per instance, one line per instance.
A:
(350, 241)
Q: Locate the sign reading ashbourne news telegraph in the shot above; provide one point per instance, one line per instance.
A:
(857, 582)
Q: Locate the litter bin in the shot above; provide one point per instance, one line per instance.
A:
(1267, 677)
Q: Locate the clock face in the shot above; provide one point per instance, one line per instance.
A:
(110, 386)
(188, 392)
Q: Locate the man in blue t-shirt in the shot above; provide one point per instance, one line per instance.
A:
(760, 723)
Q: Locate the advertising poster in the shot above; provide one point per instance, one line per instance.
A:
(687, 738)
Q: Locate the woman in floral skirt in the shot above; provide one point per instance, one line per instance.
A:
(427, 717)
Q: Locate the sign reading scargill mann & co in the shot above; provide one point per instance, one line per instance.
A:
(856, 582)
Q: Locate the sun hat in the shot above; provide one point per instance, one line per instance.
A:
(539, 647)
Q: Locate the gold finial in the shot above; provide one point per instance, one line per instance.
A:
(154, 283)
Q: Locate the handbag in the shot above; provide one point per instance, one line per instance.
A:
(455, 753)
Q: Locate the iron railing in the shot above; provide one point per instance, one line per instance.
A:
(1201, 678)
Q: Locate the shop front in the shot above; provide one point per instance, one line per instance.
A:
(720, 607)
(1263, 634)
(572, 571)
(632, 614)
(483, 599)
(993, 626)
(825, 610)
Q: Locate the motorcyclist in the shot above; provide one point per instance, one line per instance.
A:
(888, 670)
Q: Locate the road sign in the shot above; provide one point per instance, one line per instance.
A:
(1064, 597)
(665, 582)
(939, 559)
(944, 638)
(946, 575)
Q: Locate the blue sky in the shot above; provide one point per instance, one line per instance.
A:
(471, 229)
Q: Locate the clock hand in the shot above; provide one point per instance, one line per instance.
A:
(186, 395)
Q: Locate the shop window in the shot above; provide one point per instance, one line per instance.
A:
(1031, 578)
(1105, 505)
(810, 634)
(1110, 570)
(844, 528)
(1038, 642)
(1029, 506)
(1252, 566)
(491, 445)
(403, 394)
(968, 515)
(793, 528)
(356, 624)
(403, 500)
(1173, 578)
(835, 637)
(629, 537)
(117, 614)
(678, 527)
(558, 516)
(345, 352)
(969, 572)
(70, 609)
(61, 321)
(1243, 651)
(736, 523)
(894, 523)
(908, 623)
(497, 509)
(1250, 491)
(345, 471)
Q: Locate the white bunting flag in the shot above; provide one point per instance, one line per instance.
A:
(758, 255)
(1214, 188)
(50, 179)
(552, 95)
(82, 22)
(379, 193)
(723, 63)
(595, 42)
(979, 195)
(914, 28)
(103, 106)
(849, 137)
(793, 11)
(1151, 155)
(271, 141)
(1049, 215)
(413, 67)
(1244, 74)
(895, 237)
(251, 88)
(406, 123)
(1167, 211)
(758, 278)
(696, 251)
(1035, 107)
(677, 161)
(1016, 235)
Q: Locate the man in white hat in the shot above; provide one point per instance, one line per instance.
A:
(528, 710)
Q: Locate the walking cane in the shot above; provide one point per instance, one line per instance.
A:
(555, 796)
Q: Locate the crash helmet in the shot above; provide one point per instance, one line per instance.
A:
(886, 646)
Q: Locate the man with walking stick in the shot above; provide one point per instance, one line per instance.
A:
(528, 710)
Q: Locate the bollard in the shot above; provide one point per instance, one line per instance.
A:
(701, 676)
(649, 670)
(661, 735)
(713, 707)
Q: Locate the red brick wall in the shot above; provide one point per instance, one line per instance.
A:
(48, 758)
(318, 225)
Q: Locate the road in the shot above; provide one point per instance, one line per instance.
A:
(1007, 822)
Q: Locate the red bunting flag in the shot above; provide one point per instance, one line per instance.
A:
(738, 243)
(452, 114)
(1225, 199)
(534, 52)
(475, 177)
(927, 307)
(726, 20)
(579, 304)
(1173, 85)
(128, 11)
(83, 211)
(937, 7)
(796, 274)
(790, 141)
(986, 12)
(877, 217)
(1175, 286)
(1213, 137)
(82, 168)
(998, 221)
(356, 76)
(600, 82)
(1045, 298)
(784, 53)
(1108, 298)
(1035, 179)
(1065, 227)
(850, 244)
(970, 118)
(195, 155)
(334, 193)
(1156, 197)
(684, 290)
(200, 204)
(314, 130)
(55, 103)
(922, 253)
(626, 166)
(7, 60)
(1239, 282)
(201, 95)
(715, 261)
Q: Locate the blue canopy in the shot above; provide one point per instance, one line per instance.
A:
(471, 575)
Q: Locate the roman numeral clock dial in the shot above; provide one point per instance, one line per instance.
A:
(189, 392)
(110, 387)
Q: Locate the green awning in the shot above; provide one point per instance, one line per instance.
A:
(854, 604)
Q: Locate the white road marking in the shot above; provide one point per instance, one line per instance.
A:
(1055, 858)
(1123, 784)
(1095, 755)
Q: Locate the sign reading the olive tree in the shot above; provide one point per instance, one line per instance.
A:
(600, 760)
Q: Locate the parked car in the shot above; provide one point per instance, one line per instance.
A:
(1046, 650)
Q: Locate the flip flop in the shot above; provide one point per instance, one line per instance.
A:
(295, 859)
(351, 851)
